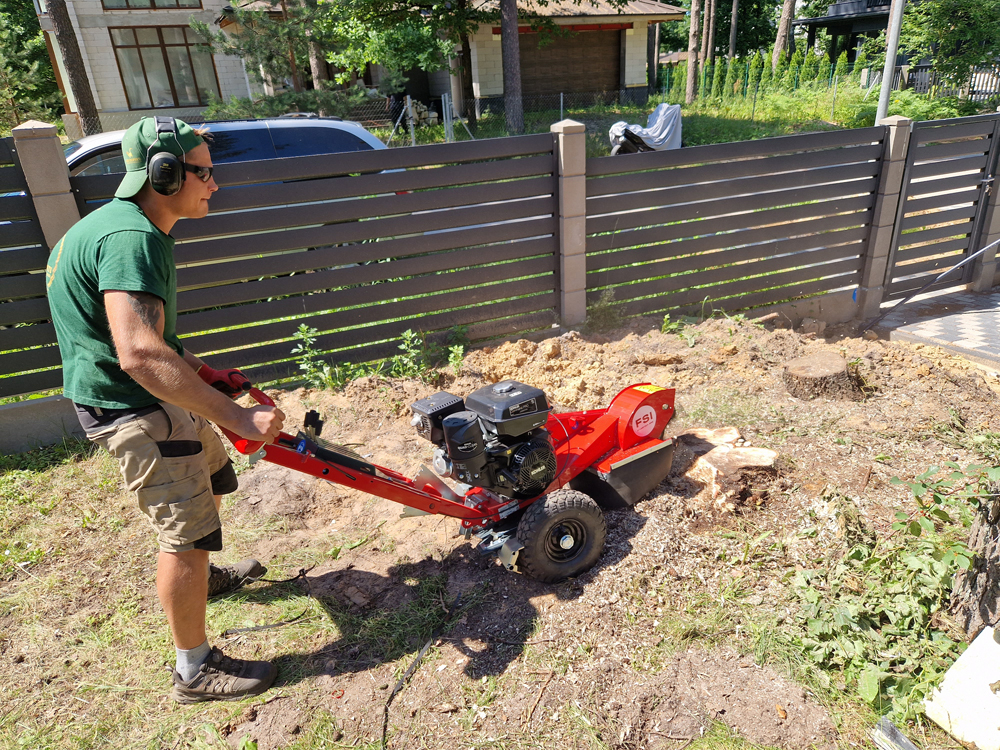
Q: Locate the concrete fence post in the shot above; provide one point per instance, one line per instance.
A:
(44, 164)
(571, 156)
(879, 248)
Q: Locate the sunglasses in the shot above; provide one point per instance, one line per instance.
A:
(202, 173)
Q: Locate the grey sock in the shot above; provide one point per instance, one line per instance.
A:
(190, 660)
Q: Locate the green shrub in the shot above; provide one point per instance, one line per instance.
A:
(756, 71)
(718, 76)
(810, 67)
(843, 67)
(732, 70)
(321, 101)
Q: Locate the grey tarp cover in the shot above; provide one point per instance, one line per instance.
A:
(662, 131)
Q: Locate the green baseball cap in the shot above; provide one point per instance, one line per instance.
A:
(142, 141)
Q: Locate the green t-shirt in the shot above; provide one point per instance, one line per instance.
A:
(115, 248)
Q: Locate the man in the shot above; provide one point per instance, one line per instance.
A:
(112, 288)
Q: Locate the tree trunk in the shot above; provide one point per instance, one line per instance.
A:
(975, 598)
(511, 54)
(317, 65)
(468, 93)
(732, 30)
(79, 82)
(784, 25)
(710, 43)
(706, 26)
(692, 61)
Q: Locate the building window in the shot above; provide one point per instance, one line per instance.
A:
(164, 66)
(149, 4)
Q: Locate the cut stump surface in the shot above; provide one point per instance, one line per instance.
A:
(821, 374)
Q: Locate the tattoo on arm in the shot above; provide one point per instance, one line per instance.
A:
(148, 307)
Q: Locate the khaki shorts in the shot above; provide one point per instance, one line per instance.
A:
(168, 458)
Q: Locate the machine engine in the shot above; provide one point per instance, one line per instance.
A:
(495, 439)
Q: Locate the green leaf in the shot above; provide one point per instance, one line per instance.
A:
(963, 562)
(914, 528)
(926, 524)
(901, 516)
(869, 683)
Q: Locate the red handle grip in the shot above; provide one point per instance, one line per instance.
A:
(242, 444)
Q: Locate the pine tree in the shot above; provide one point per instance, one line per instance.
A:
(756, 72)
(809, 68)
(677, 83)
(718, 76)
(766, 75)
(732, 74)
(794, 71)
(842, 70)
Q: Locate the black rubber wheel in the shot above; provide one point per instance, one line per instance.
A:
(563, 536)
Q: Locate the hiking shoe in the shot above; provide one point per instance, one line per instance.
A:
(222, 678)
(222, 580)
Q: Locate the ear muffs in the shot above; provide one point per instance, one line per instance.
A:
(166, 173)
(164, 170)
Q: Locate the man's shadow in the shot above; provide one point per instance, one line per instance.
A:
(466, 599)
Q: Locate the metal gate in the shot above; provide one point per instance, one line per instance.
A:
(950, 167)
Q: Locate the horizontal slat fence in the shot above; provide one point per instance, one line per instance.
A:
(947, 168)
(23, 254)
(731, 226)
(360, 247)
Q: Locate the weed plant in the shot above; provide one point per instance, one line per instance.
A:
(874, 619)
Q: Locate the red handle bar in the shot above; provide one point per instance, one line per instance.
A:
(242, 444)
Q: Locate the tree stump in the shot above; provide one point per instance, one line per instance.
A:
(975, 597)
(821, 374)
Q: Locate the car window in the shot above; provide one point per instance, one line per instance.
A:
(313, 141)
(245, 144)
(109, 162)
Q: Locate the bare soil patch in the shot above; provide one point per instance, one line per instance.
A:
(641, 651)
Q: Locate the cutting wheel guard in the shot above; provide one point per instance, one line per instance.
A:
(599, 442)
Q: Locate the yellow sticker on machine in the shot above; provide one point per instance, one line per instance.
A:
(649, 388)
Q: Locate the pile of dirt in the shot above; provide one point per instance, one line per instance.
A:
(600, 628)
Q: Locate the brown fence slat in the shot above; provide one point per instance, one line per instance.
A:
(931, 267)
(813, 200)
(329, 165)
(14, 207)
(354, 210)
(845, 244)
(816, 161)
(360, 305)
(763, 147)
(925, 133)
(23, 259)
(30, 383)
(341, 258)
(939, 233)
(434, 321)
(23, 311)
(905, 255)
(703, 252)
(256, 196)
(655, 305)
(939, 151)
(12, 180)
(944, 185)
(736, 288)
(338, 234)
(794, 291)
(30, 359)
(24, 336)
(932, 202)
(724, 190)
(6, 150)
(975, 164)
(302, 283)
(913, 221)
(818, 196)
(735, 258)
(739, 228)
(22, 285)
(21, 234)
